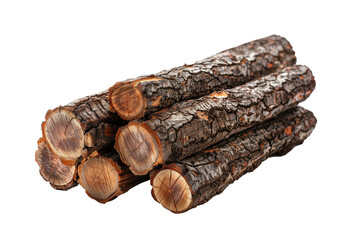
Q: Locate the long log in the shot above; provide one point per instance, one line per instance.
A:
(180, 186)
(134, 98)
(104, 177)
(52, 169)
(191, 126)
(81, 127)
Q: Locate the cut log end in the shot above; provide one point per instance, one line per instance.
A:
(128, 101)
(139, 147)
(99, 177)
(172, 191)
(64, 134)
(59, 175)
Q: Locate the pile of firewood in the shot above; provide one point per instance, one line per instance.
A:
(192, 130)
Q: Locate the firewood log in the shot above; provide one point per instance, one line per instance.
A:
(52, 169)
(191, 126)
(134, 98)
(105, 177)
(182, 185)
(81, 127)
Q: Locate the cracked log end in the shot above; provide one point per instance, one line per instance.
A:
(172, 191)
(64, 134)
(99, 176)
(128, 101)
(139, 147)
(59, 175)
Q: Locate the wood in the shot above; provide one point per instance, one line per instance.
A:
(137, 144)
(59, 175)
(183, 185)
(104, 177)
(134, 98)
(81, 127)
(191, 126)
(171, 189)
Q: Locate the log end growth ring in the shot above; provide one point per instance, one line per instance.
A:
(128, 101)
(59, 175)
(64, 134)
(139, 147)
(99, 177)
(172, 191)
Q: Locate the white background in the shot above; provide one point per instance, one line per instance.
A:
(52, 52)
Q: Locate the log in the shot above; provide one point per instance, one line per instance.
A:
(104, 177)
(134, 98)
(183, 185)
(81, 127)
(191, 126)
(59, 175)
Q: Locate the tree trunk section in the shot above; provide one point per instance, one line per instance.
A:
(52, 169)
(185, 184)
(104, 177)
(134, 98)
(81, 127)
(191, 126)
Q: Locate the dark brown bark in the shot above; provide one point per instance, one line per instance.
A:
(186, 184)
(104, 177)
(81, 127)
(59, 175)
(191, 126)
(134, 98)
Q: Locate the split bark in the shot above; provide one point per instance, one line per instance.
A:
(59, 175)
(191, 126)
(134, 98)
(105, 177)
(81, 127)
(183, 185)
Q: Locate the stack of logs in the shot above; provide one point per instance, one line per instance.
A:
(192, 130)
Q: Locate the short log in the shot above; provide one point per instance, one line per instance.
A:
(60, 176)
(104, 177)
(81, 127)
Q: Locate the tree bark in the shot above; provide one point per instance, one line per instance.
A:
(104, 177)
(183, 185)
(59, 175)
(191, 126)
(134, 98)
(81, 127)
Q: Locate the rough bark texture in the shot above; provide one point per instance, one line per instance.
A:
(59, 175)
(209, 172)
(188, 127)
(134, 98)
(104, 177)
(81, 127)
